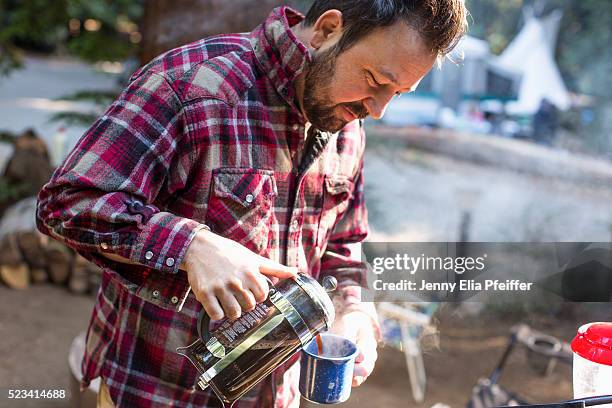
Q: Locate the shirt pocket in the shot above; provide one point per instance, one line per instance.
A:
(241, 206)
(337, 193)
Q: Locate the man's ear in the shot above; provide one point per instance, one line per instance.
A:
(327, 30)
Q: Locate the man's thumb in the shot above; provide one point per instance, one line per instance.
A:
(271, 268)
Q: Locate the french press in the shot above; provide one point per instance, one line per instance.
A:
(238, 354)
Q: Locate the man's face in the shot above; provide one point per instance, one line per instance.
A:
(362, 80)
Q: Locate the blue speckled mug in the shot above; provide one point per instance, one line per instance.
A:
(327, 378)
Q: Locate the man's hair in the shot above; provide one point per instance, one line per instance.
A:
(440, 23)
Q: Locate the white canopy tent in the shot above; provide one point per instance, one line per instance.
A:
(531, 54)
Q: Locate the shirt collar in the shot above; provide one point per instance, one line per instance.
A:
(282, 56)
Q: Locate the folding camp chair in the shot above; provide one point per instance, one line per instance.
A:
(402, 326)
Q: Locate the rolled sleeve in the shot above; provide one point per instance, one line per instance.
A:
(163, 241)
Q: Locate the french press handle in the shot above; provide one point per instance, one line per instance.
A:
(204, 318)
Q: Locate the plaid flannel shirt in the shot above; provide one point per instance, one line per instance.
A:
(206, 133)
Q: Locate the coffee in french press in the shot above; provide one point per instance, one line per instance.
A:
(238, 354)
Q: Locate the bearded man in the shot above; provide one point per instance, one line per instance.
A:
(228, 159)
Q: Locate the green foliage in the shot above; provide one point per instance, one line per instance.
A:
(26, 23)
(32, 22)
(71, 118)
(10, 192)
(43, 25)
(494, 20)
(10, 59)
(6, 136)
(584, 51)
(109, 43)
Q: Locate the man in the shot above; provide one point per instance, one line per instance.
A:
(228, 159)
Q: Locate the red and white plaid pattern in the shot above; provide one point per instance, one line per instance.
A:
(205, 133)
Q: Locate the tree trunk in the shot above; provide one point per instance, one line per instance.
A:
(166, 25)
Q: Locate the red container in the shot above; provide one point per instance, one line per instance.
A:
(594, 343)
(592, 348)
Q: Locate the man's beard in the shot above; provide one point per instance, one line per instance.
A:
(318, 105)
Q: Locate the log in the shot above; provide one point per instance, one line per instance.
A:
(79, 282)
(15, 276)
(38, 275)
(28, 169)
(58, 258)
(21, 243)
(10, 254)
(30, 244)
(14, 272)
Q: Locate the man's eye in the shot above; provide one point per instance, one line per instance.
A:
(371, 79)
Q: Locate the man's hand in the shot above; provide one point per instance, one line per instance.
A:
(226, 277)
(357, 327)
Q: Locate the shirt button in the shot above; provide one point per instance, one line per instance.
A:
(170, 261)
(295, 127)
(249, 198)
(149, 255)
(174, 300)
(295, 225)
(155, 294)
(104, 245)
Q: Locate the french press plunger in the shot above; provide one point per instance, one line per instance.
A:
(238, 354)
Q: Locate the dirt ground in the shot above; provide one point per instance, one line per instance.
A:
(37, 326)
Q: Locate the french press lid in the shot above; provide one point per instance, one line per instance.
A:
(319, 294)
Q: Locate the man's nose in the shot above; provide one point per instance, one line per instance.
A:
(377, 105)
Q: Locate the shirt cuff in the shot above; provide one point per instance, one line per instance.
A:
(163, 241)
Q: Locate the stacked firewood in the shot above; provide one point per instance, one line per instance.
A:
(26, 256)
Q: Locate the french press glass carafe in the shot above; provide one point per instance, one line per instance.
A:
(238, 354)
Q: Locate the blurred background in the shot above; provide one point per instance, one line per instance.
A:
(511, 141)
